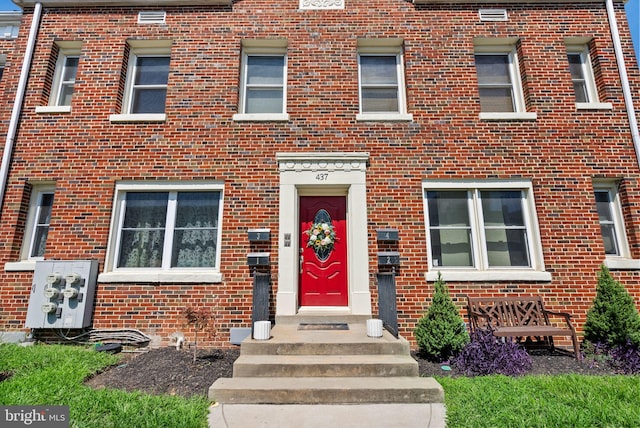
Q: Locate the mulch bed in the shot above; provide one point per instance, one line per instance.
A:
(173, 372)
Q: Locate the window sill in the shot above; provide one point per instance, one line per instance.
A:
(53, 109)
(489, 275)
(261, 117)
(160, 277)
(23, 265)
(509, 116)
(384, 117)
(148, 117)
(621, 263)
(594, 106)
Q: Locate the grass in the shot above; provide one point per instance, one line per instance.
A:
(54, 375)
(542, 401)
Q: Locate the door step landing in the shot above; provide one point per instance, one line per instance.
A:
(325, 367)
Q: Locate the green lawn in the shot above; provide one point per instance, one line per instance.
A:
(543, 401)
(54, 374)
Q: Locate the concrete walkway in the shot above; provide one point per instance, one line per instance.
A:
(411, 415)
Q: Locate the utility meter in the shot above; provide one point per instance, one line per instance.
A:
(70, 292)
(62, 294)
(49, 308)
(51, 292)
(73, 278)
(54, 278)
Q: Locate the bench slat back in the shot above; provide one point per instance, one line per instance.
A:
(511, 311)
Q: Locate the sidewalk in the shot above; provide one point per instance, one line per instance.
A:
(412, 415)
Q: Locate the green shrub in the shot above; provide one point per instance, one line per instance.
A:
(613, 319)
(441, 332)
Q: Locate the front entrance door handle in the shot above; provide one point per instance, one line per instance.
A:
(301, 259)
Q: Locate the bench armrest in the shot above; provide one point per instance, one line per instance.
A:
(565, 315)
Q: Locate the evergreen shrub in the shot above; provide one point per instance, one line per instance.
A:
(441, 332)
(613, 318)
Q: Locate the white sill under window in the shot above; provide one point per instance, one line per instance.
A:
(53, 109)
(183, 276)
(143, 117)
(509, 116)
(594, 106)
(621, 263)
(384, 117)
(261, 117)
(489, 275)
(23, 265)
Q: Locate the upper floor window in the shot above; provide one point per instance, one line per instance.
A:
(499, 84)
(263, 85)
(582, 75)
(147, 81)
(381, 80)
(65, 77)
(482, 227)
(168, 228)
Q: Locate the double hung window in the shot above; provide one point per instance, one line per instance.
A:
(610, 218)
(481, 226)
(263, 86)
(38, 221)
(147, 80)
(381, 80)
(499, 83)
(582, 75)
(65, 78)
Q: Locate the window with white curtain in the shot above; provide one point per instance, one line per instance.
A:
(171, 227)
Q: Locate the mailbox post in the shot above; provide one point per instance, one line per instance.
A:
(388, 261)
(259, 263)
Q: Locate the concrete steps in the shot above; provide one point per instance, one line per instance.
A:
(325, 367)
(318, 390)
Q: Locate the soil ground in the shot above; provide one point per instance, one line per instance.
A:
(173, 372)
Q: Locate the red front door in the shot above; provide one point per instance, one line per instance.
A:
(323, 251)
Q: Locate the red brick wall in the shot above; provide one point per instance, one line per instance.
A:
(86, 155)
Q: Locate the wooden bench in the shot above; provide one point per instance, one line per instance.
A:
(519, 318)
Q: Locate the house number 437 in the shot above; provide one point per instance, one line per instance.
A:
(322, 177)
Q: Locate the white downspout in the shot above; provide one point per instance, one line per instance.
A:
(622, 69)
(17, 104)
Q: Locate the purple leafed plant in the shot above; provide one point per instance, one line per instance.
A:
(626, 358)
(487, 355)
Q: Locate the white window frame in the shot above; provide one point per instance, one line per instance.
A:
(165, 273)
(142, 48)
(384, 47)
(66, 50)
(481, 270)
(262, 47)
(580, 46)
(623, 259)
(505, 46)
(28, 262)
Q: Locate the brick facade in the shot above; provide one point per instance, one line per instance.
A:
(561, 152)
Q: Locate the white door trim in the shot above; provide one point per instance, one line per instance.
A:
(317, 173)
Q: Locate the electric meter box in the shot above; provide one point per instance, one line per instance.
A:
(62, 294)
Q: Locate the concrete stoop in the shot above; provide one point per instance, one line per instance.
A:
(327, 369)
